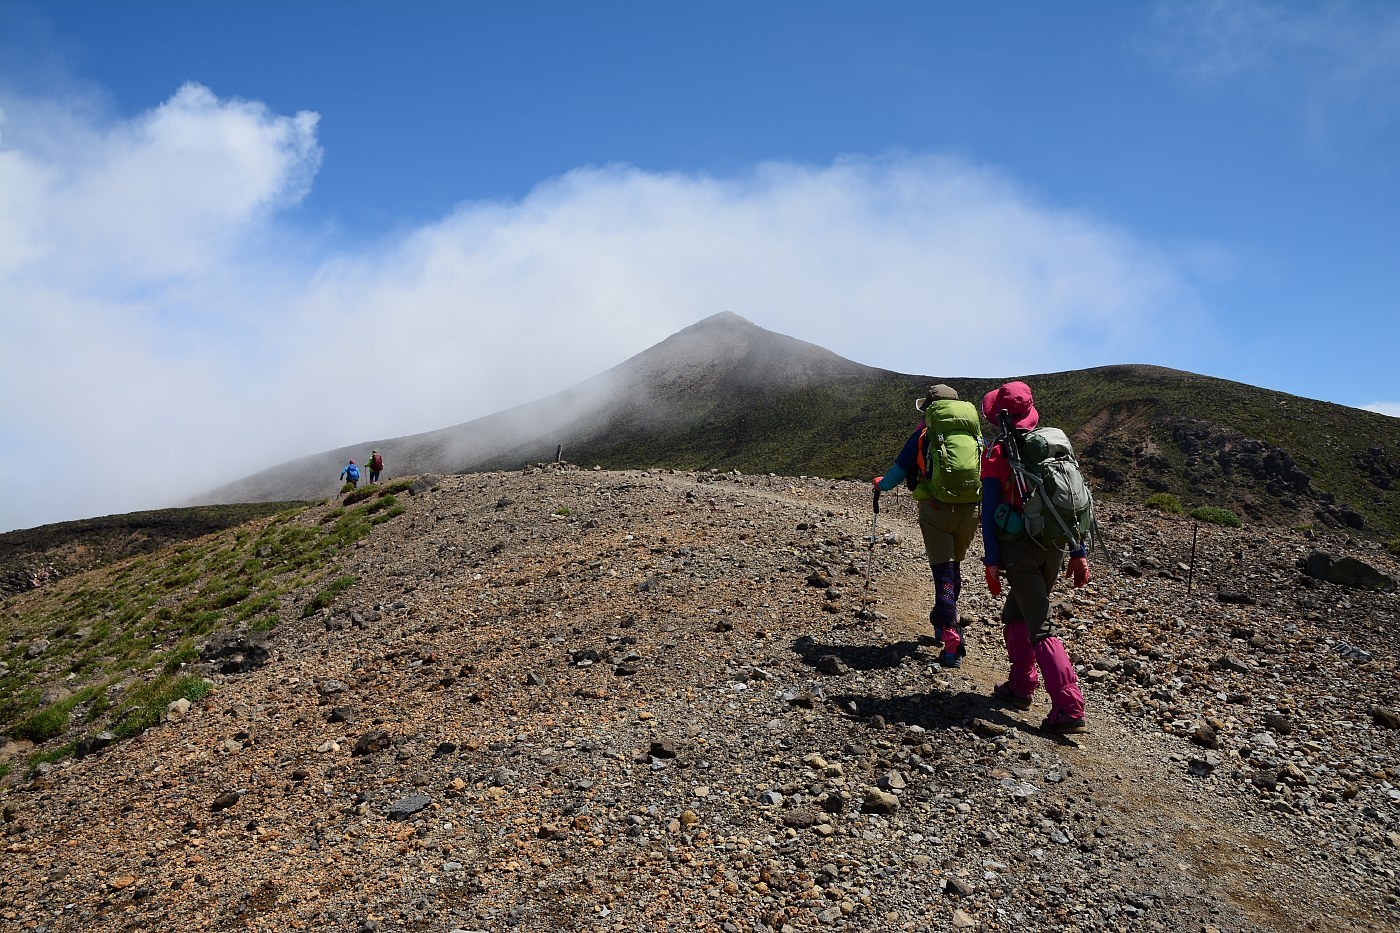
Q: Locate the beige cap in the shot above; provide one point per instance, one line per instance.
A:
(936, 392)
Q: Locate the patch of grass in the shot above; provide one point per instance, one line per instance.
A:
(353, 495)
(183, 653)
(1164, 502)
(1393, 546)
(5, 769)
(145, 704)
(323, 599)
(43, 725)
(256, 605)
(49, 756)
(1216, 516)
(385, 516)
(53, 719)
(397, 486)
(263, 624)
(331, 516)
(565, 510)
(378, 505)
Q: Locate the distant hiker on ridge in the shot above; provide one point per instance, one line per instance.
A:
(939, 463)
(1025, 539)
(376, 465)
(351, 474)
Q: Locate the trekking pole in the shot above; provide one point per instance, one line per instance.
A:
(870, 556)
(1013, 455)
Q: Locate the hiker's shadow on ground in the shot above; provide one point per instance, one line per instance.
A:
(933, 711)
(856, 657)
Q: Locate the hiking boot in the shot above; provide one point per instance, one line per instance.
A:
(1005, 694)
(1064, 724)
(950, 659)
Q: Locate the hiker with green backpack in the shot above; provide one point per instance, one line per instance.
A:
(1036, 511)
(940, 464)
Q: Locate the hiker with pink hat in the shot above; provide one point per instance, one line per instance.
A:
(1031, 565)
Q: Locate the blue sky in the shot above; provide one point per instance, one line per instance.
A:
(232, 234)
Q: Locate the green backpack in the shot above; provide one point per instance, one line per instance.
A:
(1059, 508)
(950, 453)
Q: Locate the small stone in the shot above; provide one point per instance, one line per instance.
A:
(878, 801)
(1201, 767)
(1229, 662)
(831, 664)
(1204, 736)
(958, 887)
(405, 807)
(988, 730)
(893, 780)
(225, 800)
(376, 740)
(962, 920)
(800, 819)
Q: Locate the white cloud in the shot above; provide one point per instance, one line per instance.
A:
(1329, 58)
(1384, 408)
(167, 343)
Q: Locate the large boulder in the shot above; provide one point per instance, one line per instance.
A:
(1346, 571)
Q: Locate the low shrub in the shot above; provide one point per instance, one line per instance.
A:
(1164, 502)
(1393, 546)
(43, 725)
(1216, 516)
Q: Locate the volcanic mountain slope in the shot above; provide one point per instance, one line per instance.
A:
(585, 700)
(689, 381)
(727, 394)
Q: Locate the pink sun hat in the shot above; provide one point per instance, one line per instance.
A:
(1015, 399)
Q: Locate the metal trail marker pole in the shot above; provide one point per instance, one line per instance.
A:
(1191, 568)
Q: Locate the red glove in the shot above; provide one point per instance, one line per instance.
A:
(1078, 571)
(993, 580)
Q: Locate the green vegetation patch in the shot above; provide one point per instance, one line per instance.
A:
(1164, 502)
(1216, 516)
(146, 704)
(323, 599)
(108, 624)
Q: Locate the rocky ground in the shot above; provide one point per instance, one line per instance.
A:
(578, 700)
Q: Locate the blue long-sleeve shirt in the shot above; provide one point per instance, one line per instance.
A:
(905, 464)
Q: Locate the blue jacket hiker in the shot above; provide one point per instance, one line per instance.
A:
(940, 464)
(351, 474)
